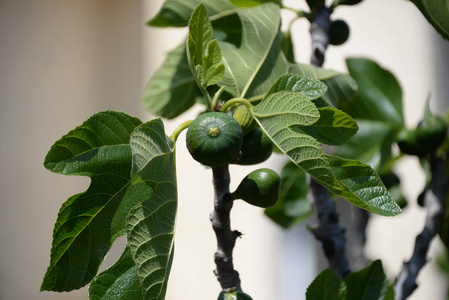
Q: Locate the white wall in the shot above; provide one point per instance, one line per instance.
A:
(61, 61)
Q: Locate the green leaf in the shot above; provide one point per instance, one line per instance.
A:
(379, 96)
(340, 87)
(354, 181)
(326, 286)
(203, 53)
(436, 13)
(172, 90)
(292, 206)
(364, 187)
(333, 128)
(89, 222)
(176, 13)
(118, 282)
(253, 67)
(377, 109)
(369, 284)
(309, 88)
(150, 224)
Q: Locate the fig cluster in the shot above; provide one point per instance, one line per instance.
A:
(215, 139)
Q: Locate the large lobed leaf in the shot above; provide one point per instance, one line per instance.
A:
(357, 183)
(437, 13)
(116, 151)
(88, 222)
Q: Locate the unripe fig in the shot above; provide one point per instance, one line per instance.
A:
(256, 148)
(214, 139)
(242, 115)
(338, 32)
(407, 142)
(431, 133)
(259, 188)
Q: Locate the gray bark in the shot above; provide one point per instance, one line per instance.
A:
(221, 223)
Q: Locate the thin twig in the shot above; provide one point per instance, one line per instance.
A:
(434, 201)
(226, 275)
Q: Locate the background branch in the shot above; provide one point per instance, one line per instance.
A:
(328, 231)
(434, 201)
(221, 223)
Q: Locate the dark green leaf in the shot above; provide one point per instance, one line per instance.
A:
(172, 90)
(176, 13)
(340, 87)
(346, 2)
(369, 284)
(437, 13)
(379, 95)
(333, 128)
(89, 222)
(326, 286)
(118, 282)
(150, 224)
(292, 206)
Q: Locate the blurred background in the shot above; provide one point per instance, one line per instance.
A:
(62, 61)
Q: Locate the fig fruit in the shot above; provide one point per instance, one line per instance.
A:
(256, 148)
(338, 32)
(214, 139)
(260, 188)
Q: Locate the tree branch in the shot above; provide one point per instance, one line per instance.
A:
(434, 201)
(329, 231)
(221, 223)
(319, 32)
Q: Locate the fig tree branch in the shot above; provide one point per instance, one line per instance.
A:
(221, 223)
(434, 202)
(328, 231)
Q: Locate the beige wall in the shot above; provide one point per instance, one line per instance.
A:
(61, 61)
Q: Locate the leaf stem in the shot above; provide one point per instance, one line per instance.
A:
(206, 96)
(221, 223)
(179, 129)
(233, 101)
